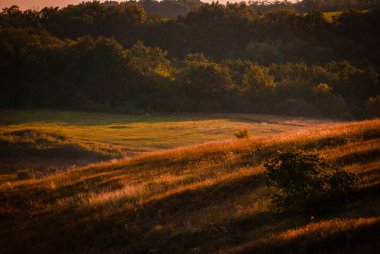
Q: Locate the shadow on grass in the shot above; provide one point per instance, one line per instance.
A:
(205, 196)
(131, 230)
(360, 239)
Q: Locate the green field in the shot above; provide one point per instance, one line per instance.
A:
(139, 133)
(331, 15)
(29, 140)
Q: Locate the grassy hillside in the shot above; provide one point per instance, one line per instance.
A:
(200, 199)
(134, 134)
(27, 153)
(35, 143)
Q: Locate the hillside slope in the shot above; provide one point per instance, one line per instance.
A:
(27, 153)
(196, 199)
(35, 143)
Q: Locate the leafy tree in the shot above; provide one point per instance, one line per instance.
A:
(264, 53)
(151, 74)
(207, 84)
(148, 61)
(91, 56)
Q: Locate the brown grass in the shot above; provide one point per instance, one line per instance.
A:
(200, 198)
(308, 236)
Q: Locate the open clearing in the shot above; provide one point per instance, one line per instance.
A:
(39, 143)
(135, 134)
(30, 146)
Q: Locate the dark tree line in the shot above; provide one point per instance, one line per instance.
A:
(170, 8)
(117, 57)
(315, 5)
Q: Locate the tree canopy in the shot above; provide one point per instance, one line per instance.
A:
(236, 57)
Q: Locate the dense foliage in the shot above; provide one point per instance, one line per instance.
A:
(117, 57)
(305, 182)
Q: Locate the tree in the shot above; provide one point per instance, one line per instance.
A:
(207, 84)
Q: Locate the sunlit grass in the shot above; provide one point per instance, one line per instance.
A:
(136, 134)
(120, 135)
(331, 15)
(117, 135)
(209, 197)
(316, 232)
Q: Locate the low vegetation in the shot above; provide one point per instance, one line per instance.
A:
(135, 134)
(206, 198)
(306, 183)
(327, 236)
(28, 153)
(27, 142)
(37, 143)
(242, 133)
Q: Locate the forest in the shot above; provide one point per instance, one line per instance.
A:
(304, 58)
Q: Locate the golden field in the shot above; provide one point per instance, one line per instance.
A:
(42, 142)
(208, 198)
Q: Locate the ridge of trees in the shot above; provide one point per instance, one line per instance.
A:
(117, 57)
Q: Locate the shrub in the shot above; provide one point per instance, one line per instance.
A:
(306, 183)
(373, 107)
(25, 174)
(242, 133)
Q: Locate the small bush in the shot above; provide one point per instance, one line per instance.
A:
(25, 174)
(373, 107)
(242, 133)
(306, 183)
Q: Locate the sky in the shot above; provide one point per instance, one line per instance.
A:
(39, 4)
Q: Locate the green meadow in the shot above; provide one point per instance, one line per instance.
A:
(140, 133)
(39, 143)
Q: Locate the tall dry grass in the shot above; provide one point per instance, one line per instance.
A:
(212, 195)
(311, 234)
